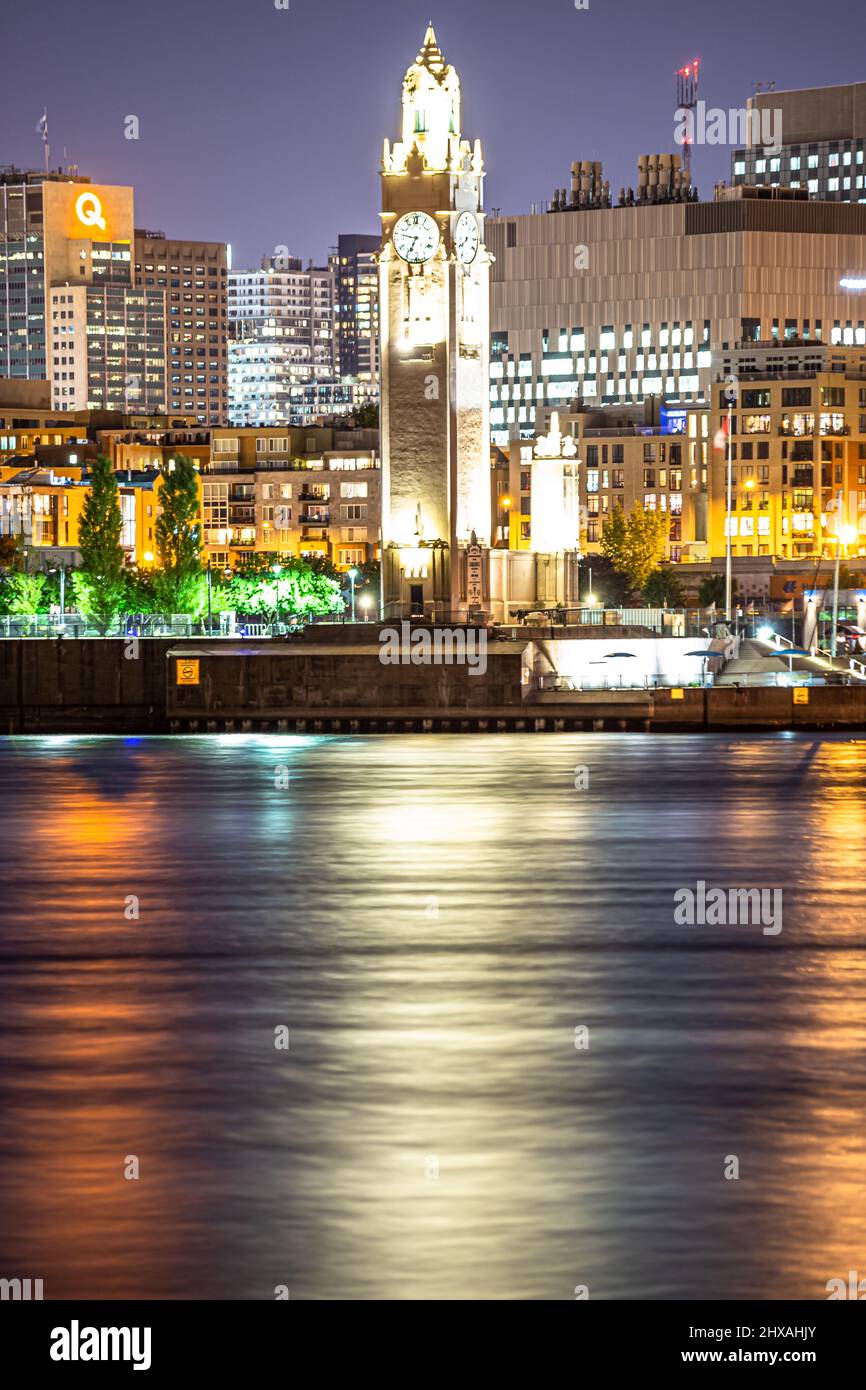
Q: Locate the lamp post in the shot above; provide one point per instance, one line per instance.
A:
(506, 503)
(209, 599)
(728, 524)
(353, 575)
(276, 571)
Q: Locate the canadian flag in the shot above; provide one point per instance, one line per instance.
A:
(720, 439)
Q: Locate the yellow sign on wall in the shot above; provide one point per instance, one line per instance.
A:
(187, 672)
(677, 694)
(801, 695)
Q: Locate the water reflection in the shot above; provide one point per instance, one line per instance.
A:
(431, 918)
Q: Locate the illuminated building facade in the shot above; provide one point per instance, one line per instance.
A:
(798, 440)
(823, 143)
(281, 346)
(659, 456)
(312, 493)
(613, 305)
(193, 276)
(434, 338)
(356, 308)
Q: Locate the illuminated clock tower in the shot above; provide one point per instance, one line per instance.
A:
(434, 320)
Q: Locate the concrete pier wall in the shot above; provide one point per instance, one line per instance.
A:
(114, 686)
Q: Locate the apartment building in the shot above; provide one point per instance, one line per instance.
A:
(193, 277)
(311, 493)
(656, 454)
(798, 450)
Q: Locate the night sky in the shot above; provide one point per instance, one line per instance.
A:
(264, 127)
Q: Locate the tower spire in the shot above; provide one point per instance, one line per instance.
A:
(431, 56)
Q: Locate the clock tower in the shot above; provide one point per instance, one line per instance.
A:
(434, 316)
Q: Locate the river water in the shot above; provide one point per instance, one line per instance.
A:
(322, 995)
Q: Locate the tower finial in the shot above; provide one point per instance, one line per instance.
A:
(431, 55)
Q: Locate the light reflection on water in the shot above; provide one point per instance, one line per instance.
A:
(431, 917)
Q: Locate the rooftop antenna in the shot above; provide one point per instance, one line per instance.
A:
(42, 129)
(687, 100)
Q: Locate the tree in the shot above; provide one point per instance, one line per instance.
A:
(297, 591)
(613, 539)
(664, 590)
(711, 591)
(25, 594)
(99, 585)
(367, 416)
(635, 544)
(179, 581)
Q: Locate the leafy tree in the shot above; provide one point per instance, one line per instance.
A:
(635, 544)
(98, 585)
(614, 540)
(296, 591)
(664, 590)
(646, 538)
(712, 591)
(25, 594)
(367, 416)
(140, 591)
(179, 580)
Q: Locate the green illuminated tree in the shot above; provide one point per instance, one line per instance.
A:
(25, 594)
(99, 584)
(180, 584)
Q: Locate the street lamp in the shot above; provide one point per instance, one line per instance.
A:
(353, 575)
(276, 571)
(209, 599)
(366, 602)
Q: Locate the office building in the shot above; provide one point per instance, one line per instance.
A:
(823, 138)
(193, 276)
(356, 308)
(281, 320)
(611, 305)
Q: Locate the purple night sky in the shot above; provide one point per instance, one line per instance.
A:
(264, 127)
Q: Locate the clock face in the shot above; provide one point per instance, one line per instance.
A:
(466, 238)
(416, 237)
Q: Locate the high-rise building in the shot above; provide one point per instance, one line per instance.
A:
(107, 347)
(612, 305)
(193, 275)
(434, 324)
(356, 308)
(281, 320)
(112, 318)
(821, 144)
(66, 251)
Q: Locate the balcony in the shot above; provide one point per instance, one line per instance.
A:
(312, 534)
(240, 515)
(312, 516)
(803, 477)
